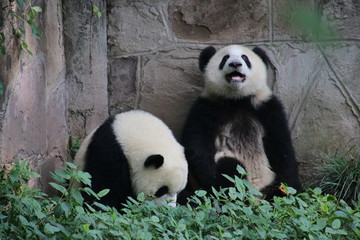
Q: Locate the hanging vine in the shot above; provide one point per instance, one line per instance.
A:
(19, 13)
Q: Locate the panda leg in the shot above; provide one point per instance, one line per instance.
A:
(227, 166)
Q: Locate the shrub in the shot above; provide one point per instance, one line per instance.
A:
(232, 213)
(340, 176)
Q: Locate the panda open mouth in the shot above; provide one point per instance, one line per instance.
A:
(235, 77)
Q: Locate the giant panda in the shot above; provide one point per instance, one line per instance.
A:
(238, 121)
(130, 153)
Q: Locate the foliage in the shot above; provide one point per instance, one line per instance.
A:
(74, 145)
(96, 11)
(18, 12)
(306, 21)
(233, 213)
(340, 176)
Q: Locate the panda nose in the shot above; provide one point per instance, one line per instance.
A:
(235, 64)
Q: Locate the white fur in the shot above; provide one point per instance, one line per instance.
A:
(140, 135)
(80, 156)
(251, 155)
(254, 85)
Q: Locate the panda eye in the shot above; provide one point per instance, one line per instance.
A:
(163, 190)
(246, 59)
(223, 61)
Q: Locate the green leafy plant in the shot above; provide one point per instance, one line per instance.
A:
(231, 213)
(340, 175)
(21, 12)
(96, 11)
(306, 21)
(74, 145)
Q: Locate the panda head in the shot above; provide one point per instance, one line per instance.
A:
(235, 72)
(162, 176)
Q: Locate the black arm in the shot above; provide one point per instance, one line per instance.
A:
(198, 139)
(277, 142)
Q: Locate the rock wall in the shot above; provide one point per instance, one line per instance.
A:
(143, 54)
(34, 110)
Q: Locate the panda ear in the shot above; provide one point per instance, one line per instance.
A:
(155, 160)
(262, 54)
(205, 56)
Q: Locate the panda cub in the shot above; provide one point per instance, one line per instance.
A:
(238, 121)
(130, 153)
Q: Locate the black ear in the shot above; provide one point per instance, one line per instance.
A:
(205, 56)
(262, 54)
(155, 160)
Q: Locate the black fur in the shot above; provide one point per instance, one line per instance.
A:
(205, 56)
(154, 160)
(247, 61)
(223, 61)
(202, 125)
(262, 54)
(108, 166)
(226, 166)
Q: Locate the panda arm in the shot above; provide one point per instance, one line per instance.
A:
(198, 139)
(277, 142)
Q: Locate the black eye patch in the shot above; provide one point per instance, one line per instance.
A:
(246, 59)
(223, 61)
(162, 191)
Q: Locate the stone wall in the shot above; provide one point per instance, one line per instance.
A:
(143, 54)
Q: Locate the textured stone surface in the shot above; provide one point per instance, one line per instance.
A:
(137, 26)
(86, 63)
(343, 16)
(219, 21)
(170, 82)
(122, 87)
(34, 111)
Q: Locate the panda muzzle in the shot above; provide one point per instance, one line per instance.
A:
(235, 77)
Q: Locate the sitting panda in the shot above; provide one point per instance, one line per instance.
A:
(238, 121)
(130, 153)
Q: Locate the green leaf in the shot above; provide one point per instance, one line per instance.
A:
(23, 220)
(66, 207)
(35, 30)
(58, 187)
(37, 9)
(240, 170)
(26, 48)
(200, 193)
(90, 192)
(95, 8)
(71, 165)
(63, 174)
(102, 206)
(1, 84)
(2, 53)
(2, 38)
(155, 219)
(324, 207)
(103, 192)
(21, 4)
(84, 177)
(141, 197)
(76, 195)
(51, 229)
(86, 227)
(336, 224)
